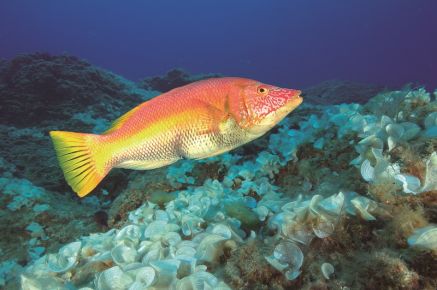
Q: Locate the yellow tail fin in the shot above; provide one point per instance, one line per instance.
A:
(78, 158)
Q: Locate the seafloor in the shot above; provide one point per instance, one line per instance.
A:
(341, 195)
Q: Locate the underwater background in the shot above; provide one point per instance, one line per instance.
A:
(342, 194)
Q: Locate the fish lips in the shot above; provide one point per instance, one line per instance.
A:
(293, 102)
(278, 115)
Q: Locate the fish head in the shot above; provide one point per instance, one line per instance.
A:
(265, 106)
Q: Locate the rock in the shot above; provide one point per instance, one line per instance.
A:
(337, 92)
(173, 79)
(40, 93)
(139, 189)
(39, 89)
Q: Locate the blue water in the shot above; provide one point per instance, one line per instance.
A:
(340, 194)
(294, 43)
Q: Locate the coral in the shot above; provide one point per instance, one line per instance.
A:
(424, 238)
(127, 201)
(384, 192)
(383, 269)
(34, 221)
(347, 187)
(387, 103)
(208, 170)
(8, 270)
(177, 174)
(318, 216)
(43, 231)
(140, 188)
(405, 219)
(425, 264)
(413, 163)
(150, 244)
(247, 268)
(55, 93)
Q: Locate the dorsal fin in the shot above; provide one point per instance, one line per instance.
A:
(122, 119)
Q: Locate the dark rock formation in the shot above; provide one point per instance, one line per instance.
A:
(39, 93)
(38, 89)
(337, 92)
(173, 79)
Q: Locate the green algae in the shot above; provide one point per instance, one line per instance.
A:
(162, 197)
(249, 220)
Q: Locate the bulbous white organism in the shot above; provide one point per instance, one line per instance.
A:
(65, 259)
(431, 174)
(166, 270)
(210, 248)
(364, 206)
(425, 238)
(124, 255)
(144, 277)
(222, 230)
(288, 254)
(327, 270)
(113, 279)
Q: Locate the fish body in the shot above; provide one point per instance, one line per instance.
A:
(196, 121)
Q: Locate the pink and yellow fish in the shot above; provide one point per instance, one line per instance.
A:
(199, 120)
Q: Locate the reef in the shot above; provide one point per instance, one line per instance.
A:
(44, 89)
(337, 91)
(337, 196)
(40, 93)
(172, 79)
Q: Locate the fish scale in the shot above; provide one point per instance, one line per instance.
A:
(199, 120)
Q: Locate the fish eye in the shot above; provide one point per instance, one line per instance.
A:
(263, 90)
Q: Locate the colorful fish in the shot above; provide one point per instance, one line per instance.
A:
(199, 120)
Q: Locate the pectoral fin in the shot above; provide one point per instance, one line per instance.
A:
(214, 119)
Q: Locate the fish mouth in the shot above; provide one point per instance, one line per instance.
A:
(297, 95)
(276, 116)
(295, 100)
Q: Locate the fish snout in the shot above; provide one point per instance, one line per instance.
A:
(296, 94)
(294, 97)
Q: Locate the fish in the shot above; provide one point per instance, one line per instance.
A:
(199, 120)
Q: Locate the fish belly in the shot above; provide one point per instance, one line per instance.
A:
(191, 143)
(228, 136)
(148, 154)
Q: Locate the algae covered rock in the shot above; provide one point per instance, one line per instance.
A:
(161, 197)
(337, 92)
(151, 185)
(41, 87)
(172, 79)
(281, 213)
(248, 218)
(41, 92)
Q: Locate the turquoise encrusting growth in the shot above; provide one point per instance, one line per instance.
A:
(336, 192)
